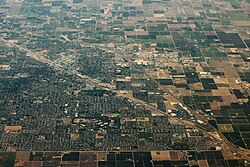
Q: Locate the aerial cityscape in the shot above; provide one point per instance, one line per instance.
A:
(124, 83)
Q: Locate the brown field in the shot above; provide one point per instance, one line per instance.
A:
(168, 105)
(229, 99)
(221, 92)
(161, 74)
(102, 156)
(199, 69)
(215, 106)
(22, 156)
(186, 92)
(196, 86)
(225, 128)
(67, 121)
(220, 80)
(231, 73)
(241, 23)
(156, 155)
(12, 129)
(171, 99)
(163, 155)
(203, 163)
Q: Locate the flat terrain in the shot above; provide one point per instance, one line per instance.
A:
(112, 76)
